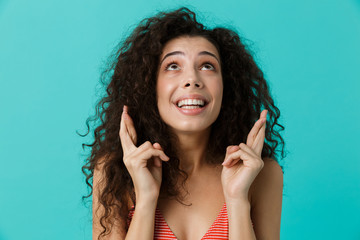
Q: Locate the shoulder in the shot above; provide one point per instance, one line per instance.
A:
(266, 200)
(269, 180)
(100, 179)
(117, 226)
(271, 170)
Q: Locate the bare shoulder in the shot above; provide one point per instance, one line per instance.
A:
(266, 200)
(268, 181)
(99, 183)
(270, 172)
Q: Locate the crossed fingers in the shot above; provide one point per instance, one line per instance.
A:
(256, 136)
(127, 132)
(241, 152)
(253, 147)
(128, 139)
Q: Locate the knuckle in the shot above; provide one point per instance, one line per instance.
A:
(260, 164)
(242, 144)
(153, 151)
(126, 161)
(159, 152)
(132, 164)
(147, 144)
(228, 148)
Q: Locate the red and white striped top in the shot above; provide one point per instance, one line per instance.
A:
(219, 230)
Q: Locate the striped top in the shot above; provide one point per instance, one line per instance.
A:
(219, 230)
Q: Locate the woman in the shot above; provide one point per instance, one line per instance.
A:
(190, 147)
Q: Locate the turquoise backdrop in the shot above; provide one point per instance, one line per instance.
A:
(51, 56)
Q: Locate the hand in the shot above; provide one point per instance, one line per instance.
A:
(143, 162)
(243, 163)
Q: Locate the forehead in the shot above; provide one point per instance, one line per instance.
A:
(189, 44)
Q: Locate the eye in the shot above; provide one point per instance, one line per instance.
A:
(207, 66)
(172, 66)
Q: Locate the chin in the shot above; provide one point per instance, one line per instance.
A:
(189, 128)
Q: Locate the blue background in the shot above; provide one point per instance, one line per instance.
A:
(51, 56)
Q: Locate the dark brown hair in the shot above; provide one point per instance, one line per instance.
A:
(131, 80)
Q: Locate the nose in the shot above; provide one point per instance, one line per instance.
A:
(193, 80)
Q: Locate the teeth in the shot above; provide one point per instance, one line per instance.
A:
(190, 107)
(195, 103)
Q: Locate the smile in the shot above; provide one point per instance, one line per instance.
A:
(191, 103)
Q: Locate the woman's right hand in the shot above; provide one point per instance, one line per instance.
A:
(143, 162)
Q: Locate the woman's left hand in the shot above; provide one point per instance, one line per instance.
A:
(243, 163)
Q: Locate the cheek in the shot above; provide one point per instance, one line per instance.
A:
(163, 92)
(218, 90)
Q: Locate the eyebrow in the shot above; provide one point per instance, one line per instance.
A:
(182, 53)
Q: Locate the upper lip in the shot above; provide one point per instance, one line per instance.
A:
(192, 96)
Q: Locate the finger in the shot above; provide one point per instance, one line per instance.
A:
(254, 131)
(157, 161)
(144, 155)
(157, 146)
(129, 125)
(259, 140)
(148, 151)
(252, 159)
(263, 113)
(126, 141)
(154, 154)
(256, 128)
(248, 149)
(235, 157)
(231, 149)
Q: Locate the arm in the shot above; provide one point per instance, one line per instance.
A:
(265, 208)
(242, 165)
(237, 178)
(144, 164)
(143, 222)
(240, 226)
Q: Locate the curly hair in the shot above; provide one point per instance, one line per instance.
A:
(131, 80)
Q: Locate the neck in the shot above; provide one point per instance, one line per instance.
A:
(192, 150)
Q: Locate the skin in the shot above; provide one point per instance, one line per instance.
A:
(190, 65)
(250, 186)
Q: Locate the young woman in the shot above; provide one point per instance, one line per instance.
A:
(187, 145)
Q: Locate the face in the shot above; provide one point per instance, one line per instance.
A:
(189, 84)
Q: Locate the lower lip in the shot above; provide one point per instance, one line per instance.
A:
(191, 112)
